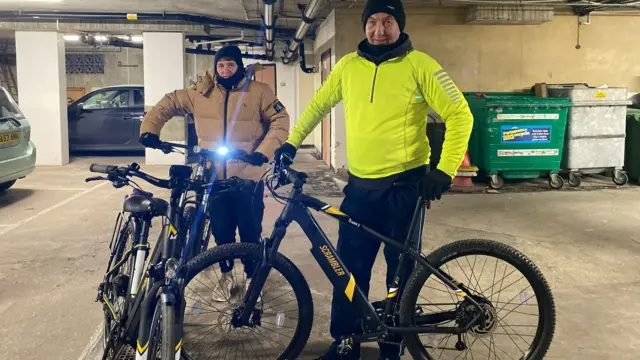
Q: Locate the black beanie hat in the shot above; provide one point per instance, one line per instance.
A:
(391, 7)
(232, 52)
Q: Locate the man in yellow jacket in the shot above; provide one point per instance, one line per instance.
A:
(387, 88)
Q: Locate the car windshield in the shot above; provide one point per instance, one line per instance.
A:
(9, 107)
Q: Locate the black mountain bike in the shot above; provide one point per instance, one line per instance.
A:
(142, 304)
(434, 308)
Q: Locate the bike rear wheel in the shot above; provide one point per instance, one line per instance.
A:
(115, 291)
(481, 338)
(207, 319)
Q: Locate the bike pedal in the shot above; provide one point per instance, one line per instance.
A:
(345, 347)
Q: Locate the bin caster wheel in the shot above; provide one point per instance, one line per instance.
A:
(620, 178)
(556, 181)
(496, 182)
(575, 179)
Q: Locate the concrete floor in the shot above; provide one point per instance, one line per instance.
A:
(55, 229)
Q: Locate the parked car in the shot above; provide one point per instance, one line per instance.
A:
(107, 119)
(17, 152)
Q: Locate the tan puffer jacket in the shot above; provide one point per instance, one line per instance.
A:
(249, 117)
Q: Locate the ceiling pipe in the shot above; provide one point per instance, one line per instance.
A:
(109, 16)
(303, 63)
(308, 17)
(127, 44)
(269, 23)
(221, 41)
(205, 38)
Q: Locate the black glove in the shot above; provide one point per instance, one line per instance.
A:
(434, 184)
(150, 140)
(257, 159)
(287, 149)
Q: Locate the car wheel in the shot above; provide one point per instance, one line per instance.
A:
(5, 186)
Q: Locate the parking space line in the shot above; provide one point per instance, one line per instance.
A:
(93, 342)
(50, 208)
(41, 188)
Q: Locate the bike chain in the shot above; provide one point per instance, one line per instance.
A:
(127, 353)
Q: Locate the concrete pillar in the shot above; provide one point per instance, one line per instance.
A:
(42, 85)
(164, 72)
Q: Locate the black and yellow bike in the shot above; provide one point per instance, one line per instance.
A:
(434, 308)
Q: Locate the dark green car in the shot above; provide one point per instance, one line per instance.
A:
(17, 152)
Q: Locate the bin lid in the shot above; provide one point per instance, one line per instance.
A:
(494, 99)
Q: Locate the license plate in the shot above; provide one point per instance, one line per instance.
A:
(10, 138)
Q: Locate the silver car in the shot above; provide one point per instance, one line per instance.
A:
(17, 152)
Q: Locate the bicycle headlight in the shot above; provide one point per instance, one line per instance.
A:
(171, 269)
(222, 150)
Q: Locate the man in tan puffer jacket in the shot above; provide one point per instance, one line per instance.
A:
(229, 109)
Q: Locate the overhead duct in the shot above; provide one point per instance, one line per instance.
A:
(308, 18)
(508, 14)
(126, 44)
(269, 21)
(109, 16)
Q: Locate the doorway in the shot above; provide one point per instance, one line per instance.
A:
(268, 76)
(325, 69)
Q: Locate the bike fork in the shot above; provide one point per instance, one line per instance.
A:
(269, 249)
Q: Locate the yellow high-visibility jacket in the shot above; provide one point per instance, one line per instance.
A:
(386, 108)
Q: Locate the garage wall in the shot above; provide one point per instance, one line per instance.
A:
(121, 66)
(196, 65)
(497, 58)
(305, 86)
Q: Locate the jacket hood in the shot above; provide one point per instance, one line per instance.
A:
(388, 52)
(207, 79)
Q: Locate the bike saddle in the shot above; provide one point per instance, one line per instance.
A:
(140, 205)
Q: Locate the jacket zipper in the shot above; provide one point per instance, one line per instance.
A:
(373, 85)
(224, 132)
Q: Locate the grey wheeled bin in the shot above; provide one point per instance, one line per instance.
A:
(595, 136)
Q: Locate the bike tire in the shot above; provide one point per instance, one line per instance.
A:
(163, 322)
(283, 265)
(546, 304)
(168, 330)
(120, 250)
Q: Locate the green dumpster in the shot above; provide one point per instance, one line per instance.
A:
(517, 136)
(632, 146)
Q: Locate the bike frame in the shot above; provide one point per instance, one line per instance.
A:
(297, 209)
(160, 288)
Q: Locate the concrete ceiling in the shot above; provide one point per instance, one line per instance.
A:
(239, 10)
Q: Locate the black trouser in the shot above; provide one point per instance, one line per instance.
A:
(243, 210)
(388, 211)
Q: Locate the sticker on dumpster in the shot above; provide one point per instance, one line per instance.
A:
(601, 94)
(535, 134)
(528, 116)
(529, 152)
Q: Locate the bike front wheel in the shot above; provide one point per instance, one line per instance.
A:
(282, 318)
(161, 337)
(506, 284)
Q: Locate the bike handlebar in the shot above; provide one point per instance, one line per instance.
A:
(103, 169)
(124, 172)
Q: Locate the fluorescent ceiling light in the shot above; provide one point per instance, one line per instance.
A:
(71, 37)
(44, 1)
(100, 38)
(136, 38)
